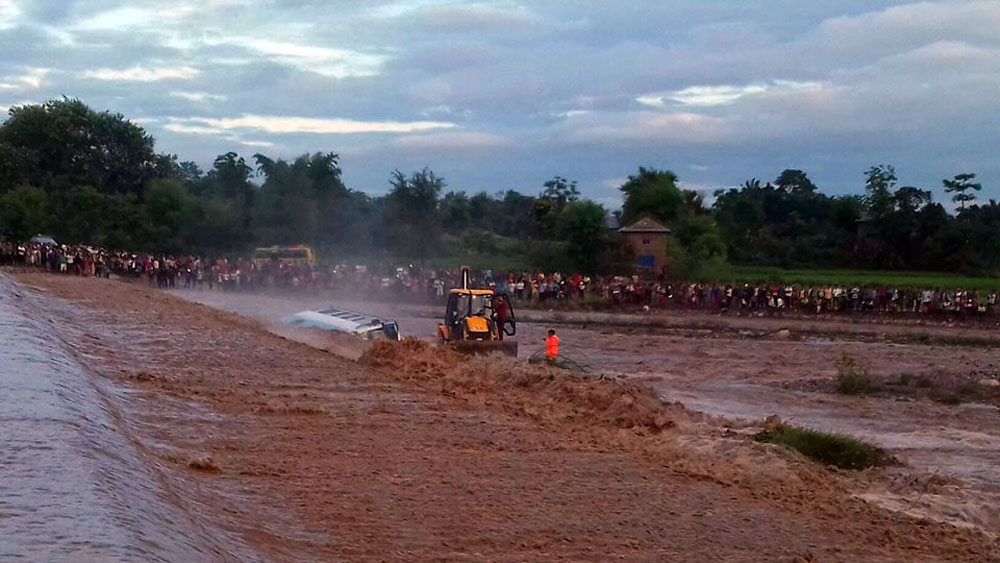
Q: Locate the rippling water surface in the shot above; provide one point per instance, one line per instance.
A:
(72, 486)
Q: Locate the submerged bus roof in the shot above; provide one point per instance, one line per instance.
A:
(340, 320)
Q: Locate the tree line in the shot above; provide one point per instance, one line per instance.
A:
(791, 223)
(95, 177)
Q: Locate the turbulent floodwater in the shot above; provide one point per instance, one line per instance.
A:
(73, 487)
(960, 442)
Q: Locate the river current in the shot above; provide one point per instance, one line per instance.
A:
(73, 484)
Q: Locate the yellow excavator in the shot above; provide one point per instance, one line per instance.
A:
(478, 320)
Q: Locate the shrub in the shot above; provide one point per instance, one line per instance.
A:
(852, 378)
(843, 451)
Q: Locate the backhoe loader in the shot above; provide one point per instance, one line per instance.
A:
(477, 321)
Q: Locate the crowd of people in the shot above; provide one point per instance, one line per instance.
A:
(541, 289)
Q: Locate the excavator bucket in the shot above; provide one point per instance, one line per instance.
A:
(483, 347)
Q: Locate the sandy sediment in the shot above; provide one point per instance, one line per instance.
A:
(418, 454)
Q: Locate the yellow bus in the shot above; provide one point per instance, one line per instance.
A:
(296, 254)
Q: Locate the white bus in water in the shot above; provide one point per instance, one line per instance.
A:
(339, 320)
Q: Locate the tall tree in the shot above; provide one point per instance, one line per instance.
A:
(653, 192)
(513, 216)
(482, 211)
(791, 180)
(412, 221)
(560, 191)
(230, 180)
(962, 186)
(910, 200)
(306, 200)
(189, 171)
(24, 212)
(173, 216)
(64, 143)
(455, 211)
(232, 175)
(879, 181)
(89, 221)
(584, 231)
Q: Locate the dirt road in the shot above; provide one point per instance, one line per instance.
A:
(304, 455)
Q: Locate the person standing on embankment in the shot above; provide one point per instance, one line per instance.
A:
(552, 346)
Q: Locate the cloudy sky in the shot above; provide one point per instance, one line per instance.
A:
(504, 94)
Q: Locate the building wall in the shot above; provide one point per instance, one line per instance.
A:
(649, 244)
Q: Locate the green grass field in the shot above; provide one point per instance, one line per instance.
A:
(756, 274)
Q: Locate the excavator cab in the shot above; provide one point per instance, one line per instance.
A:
(477, 320)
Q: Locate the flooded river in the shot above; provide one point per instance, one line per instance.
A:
(721, 373)
(74, 486)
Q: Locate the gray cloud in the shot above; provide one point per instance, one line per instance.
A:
(505, 94)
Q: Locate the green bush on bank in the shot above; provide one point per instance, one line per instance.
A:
(839, 450)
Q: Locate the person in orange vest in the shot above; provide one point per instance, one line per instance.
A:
(551, 346)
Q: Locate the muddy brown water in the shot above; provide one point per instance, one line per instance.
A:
(73, 484)
(723, 372)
